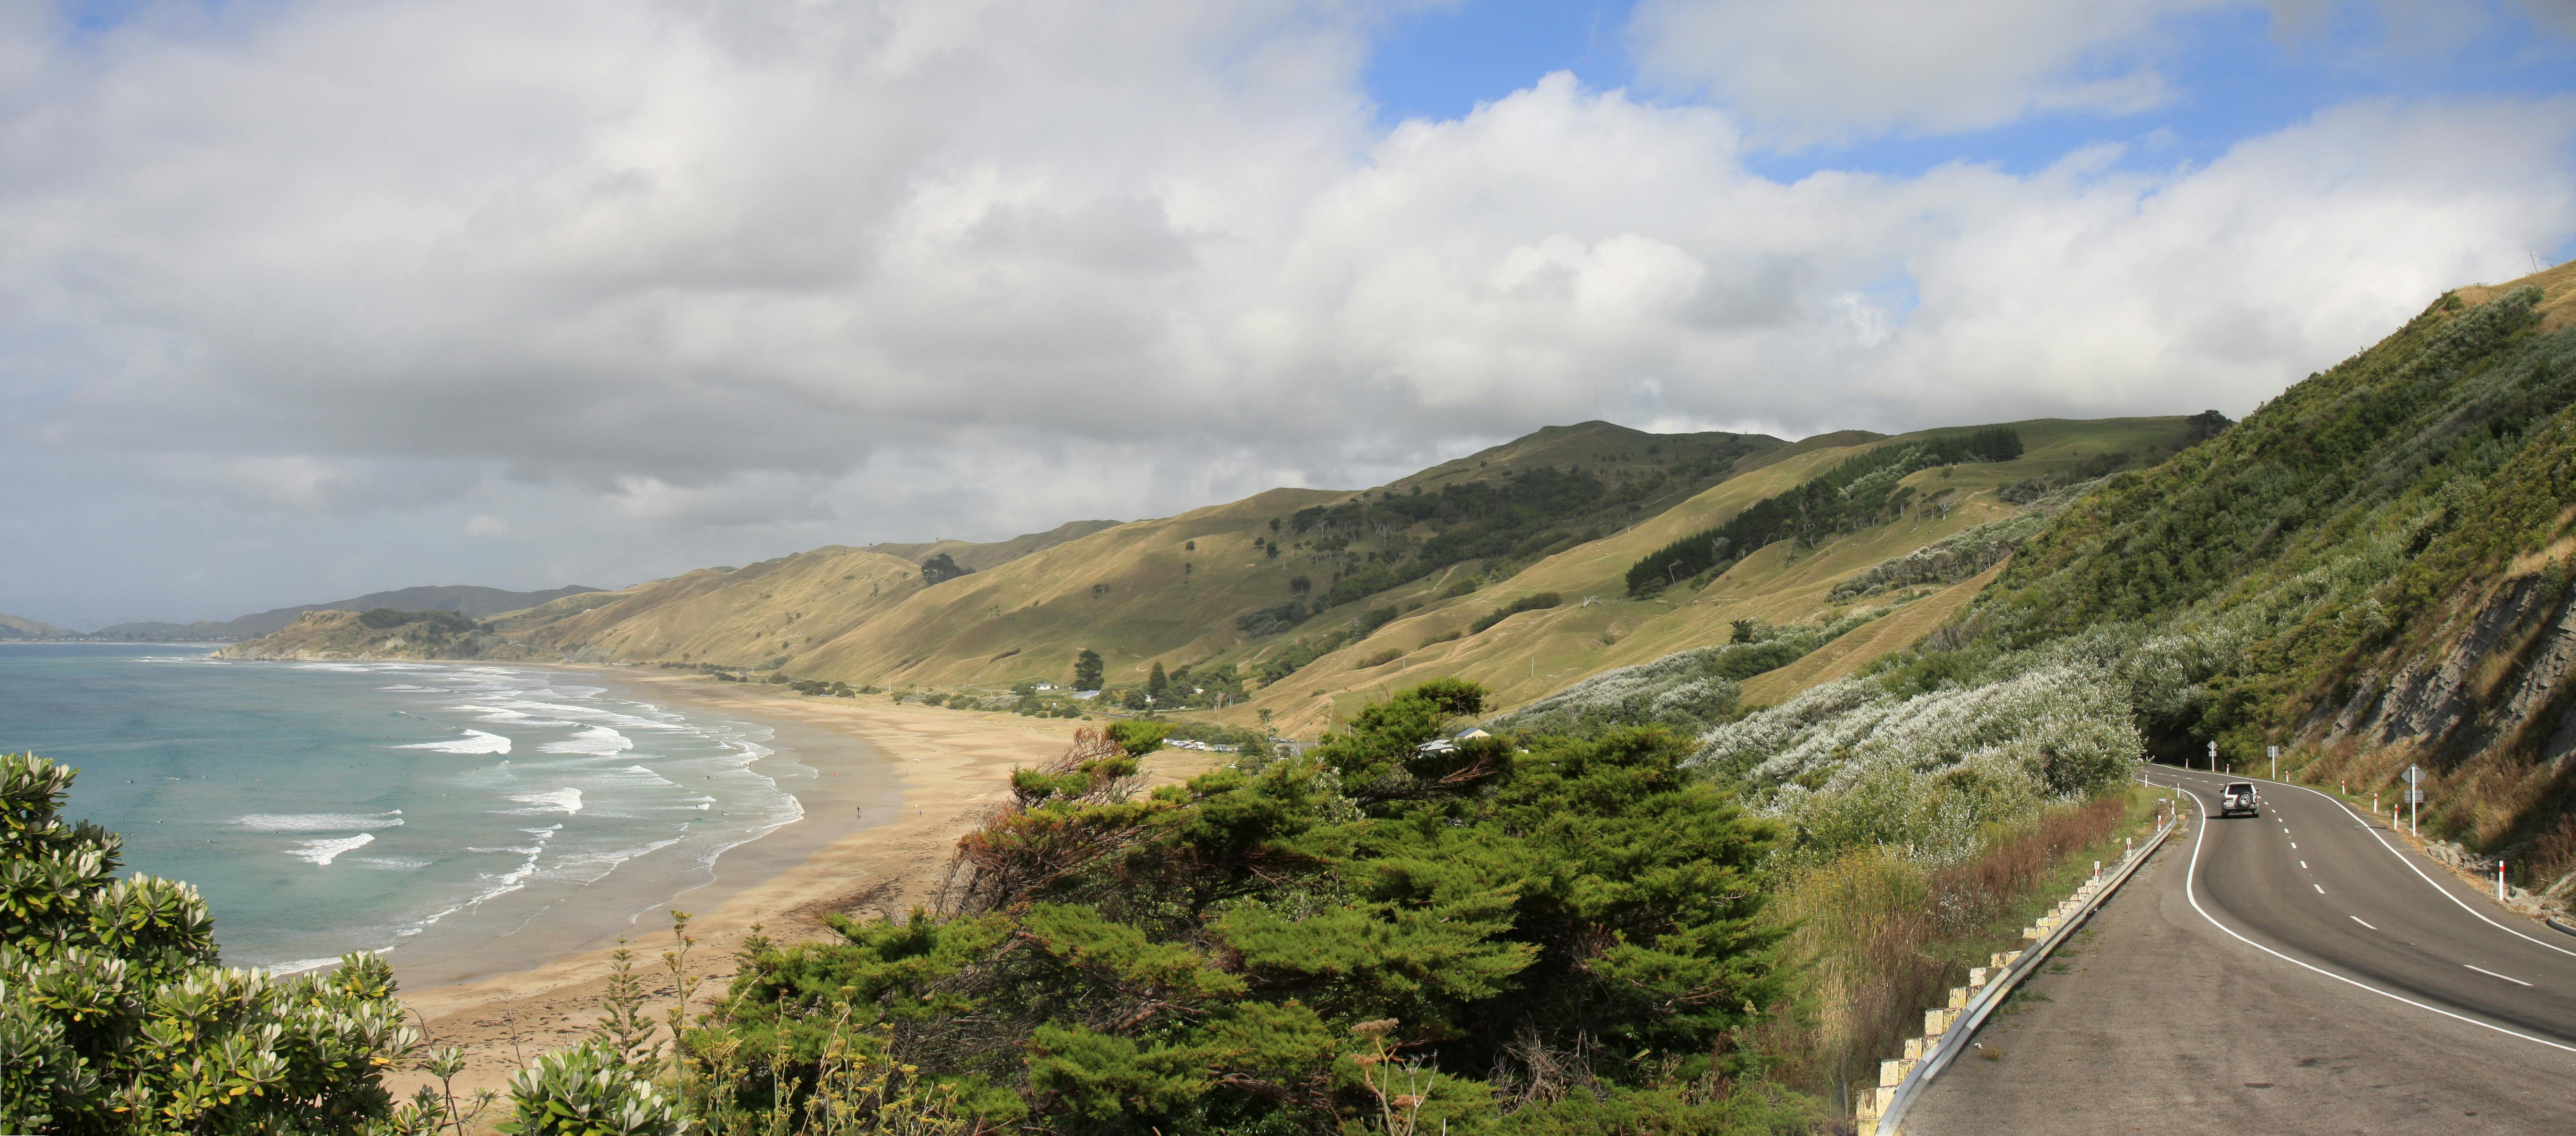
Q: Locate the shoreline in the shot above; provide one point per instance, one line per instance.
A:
(944, 770)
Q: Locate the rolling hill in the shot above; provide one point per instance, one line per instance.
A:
(1291, 575)
(464, 599)
(2373, 571)
(17, 627)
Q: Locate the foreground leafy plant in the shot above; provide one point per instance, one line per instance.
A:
(116, 1017)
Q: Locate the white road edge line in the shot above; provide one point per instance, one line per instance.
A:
(2363, 922)
(2492, 974)
(2191, 872)
(2419, 872)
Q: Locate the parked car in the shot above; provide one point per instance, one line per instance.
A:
(2240, 797)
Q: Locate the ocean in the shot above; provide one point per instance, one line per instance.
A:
(441, 812)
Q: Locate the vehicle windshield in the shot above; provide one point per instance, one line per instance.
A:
(2240, 790)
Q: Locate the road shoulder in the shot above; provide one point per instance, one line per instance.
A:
(2156, 1021)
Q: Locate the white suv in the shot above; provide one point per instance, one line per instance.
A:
(2240, 797)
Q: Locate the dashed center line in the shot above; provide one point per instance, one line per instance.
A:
(2303, 865)
(2321, 888)
(2492, 974)
(2363, 922)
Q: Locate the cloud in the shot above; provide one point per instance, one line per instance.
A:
(695, 283)
(1833, 70)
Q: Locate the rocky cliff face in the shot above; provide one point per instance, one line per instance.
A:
(2488, 709)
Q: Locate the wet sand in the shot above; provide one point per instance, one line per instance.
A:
(892, 789)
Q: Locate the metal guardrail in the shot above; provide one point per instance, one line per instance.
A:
(1938, 1055)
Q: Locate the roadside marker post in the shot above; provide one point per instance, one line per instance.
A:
(2414, 800)
(2213, 757)
(2097, 870)
(2275, 751)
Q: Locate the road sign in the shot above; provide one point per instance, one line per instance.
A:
(2414, 796)
(2414, 775)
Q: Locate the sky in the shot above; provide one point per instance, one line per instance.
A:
(304, 299)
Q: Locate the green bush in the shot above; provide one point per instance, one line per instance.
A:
(1366, 623)
(1296, 945)
(1860, 492)
(1535, 601)
(589, 1090)
(115, 1016)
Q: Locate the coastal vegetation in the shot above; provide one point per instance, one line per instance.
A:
(115, 1015)
(1265, 948)
(1861, 491)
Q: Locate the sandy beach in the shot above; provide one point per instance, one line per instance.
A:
(946, 769)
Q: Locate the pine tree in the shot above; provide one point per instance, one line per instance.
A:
(1086, 670)
(1159, 685)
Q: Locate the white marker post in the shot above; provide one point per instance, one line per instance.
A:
(2414, 800)
(2097, 870)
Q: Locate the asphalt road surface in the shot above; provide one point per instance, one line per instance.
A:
(2296, 972)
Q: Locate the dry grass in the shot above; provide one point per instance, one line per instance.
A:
(1885, 938)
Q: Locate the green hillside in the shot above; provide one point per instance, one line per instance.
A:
(17, 627)
(2373, 570)
(1598, 626)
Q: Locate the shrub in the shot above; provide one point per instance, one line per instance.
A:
(1688, 691)
(1366, 623)
(1860, 492)
(117, 1018)
(1273, 619)
(1849, 764)
(1280, 948)
(1535, 601)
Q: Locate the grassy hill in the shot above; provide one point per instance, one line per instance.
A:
(1246, 588)
(464, 599)
(1169, 588)
(2376, 569)
(17, 627)
(1598, 627)
(384, 633)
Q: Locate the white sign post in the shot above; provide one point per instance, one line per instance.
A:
(2213, 757)
(2414, 799)
(2275, 751)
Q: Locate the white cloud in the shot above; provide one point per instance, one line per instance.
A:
(1831, 70)
(682, 286)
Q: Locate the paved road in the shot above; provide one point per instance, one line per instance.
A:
(2324, 885)
(2217, 993)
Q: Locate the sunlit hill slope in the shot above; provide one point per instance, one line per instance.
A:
(1567, 510)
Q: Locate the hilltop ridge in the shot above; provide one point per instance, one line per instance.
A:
(22, 628)
(464, 599)
(1306, 602)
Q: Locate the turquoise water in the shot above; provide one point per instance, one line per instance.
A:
(427, 809)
